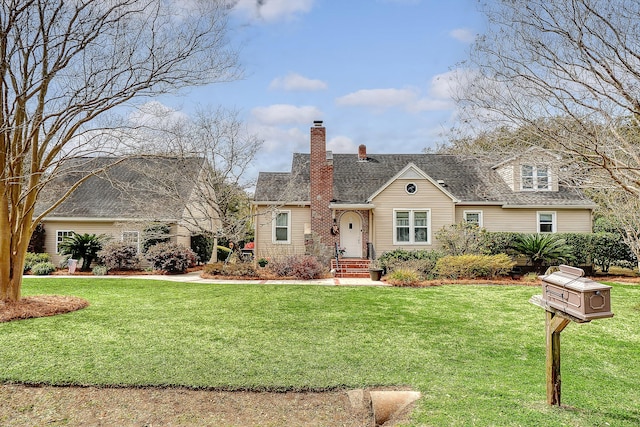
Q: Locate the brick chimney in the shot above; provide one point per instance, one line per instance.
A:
(362, 153)
(321, 186)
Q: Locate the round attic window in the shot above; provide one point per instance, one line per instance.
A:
(411, 188)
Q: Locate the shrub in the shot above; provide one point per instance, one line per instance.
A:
(82, 246)
(307, 267)
(304, 267)
(170, 257)
(31, 259)
(609, 249)
(581, 247)
(43, 268)
(543, 249)
(227, 269)
(500, 242)
(462, 238)
(281, 266)
(202, 246)
(99, 270)
(118, 255)
(36, 243)
(403, 277)
(423, 261)
(474, 266)
(155, 233)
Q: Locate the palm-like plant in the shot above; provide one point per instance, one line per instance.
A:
(543, 248)
(82, 246)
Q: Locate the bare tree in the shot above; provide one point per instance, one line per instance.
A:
(568, 72)
(622, 209)
(226, 148)
(65, 64)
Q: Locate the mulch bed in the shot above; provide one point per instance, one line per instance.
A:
(40, 306)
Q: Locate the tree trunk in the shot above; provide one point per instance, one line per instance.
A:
(214, 252)
(11, 277)
(13, 250)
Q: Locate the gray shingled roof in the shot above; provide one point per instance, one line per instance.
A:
(135, 188)
(468, 179)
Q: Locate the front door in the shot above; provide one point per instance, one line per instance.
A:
(351, 234)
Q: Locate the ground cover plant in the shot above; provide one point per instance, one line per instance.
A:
(475, 352)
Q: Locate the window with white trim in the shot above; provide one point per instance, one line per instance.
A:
(132, 238)
(411, 226)
(60, 235)
(473, 217)
(282, 227)
(546, 222)
(535, 177)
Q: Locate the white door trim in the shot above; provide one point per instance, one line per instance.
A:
(351, 234)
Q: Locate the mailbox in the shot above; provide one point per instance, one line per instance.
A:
(568, 291)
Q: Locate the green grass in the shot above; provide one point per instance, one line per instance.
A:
(475, 352)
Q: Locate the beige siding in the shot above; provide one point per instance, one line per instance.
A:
(113, 229)
(300, 217)
(393, 197)
(506, 173)
(52, 228)
(495, 218)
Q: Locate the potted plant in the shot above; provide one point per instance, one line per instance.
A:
(262, 262)
(375, 270)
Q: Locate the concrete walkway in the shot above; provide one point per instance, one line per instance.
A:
(194, 277)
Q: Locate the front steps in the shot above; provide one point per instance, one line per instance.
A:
(351, 267)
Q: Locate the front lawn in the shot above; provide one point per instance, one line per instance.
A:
(475, 352)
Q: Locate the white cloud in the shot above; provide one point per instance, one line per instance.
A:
(280, 114)
(464, 35)
(378, 98)
(273, 10)
(412, 100)
(296, 82)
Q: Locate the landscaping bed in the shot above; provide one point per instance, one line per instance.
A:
(82, 406)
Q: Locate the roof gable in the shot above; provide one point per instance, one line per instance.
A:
(411, 171)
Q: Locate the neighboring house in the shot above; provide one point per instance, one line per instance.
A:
(372, 203)
(130, 198)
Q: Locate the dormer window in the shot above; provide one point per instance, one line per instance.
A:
(534, 177)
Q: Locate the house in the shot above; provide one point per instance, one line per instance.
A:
(129, 198)
(371, 203)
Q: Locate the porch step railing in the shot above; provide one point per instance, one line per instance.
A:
(351, 267)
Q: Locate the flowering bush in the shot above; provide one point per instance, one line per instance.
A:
(170, 257)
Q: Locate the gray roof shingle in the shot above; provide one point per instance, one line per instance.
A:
(468, 179)
(135, 188)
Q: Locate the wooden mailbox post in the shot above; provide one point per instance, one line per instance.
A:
(567, 297)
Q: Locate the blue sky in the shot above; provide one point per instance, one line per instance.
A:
(377, 72)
